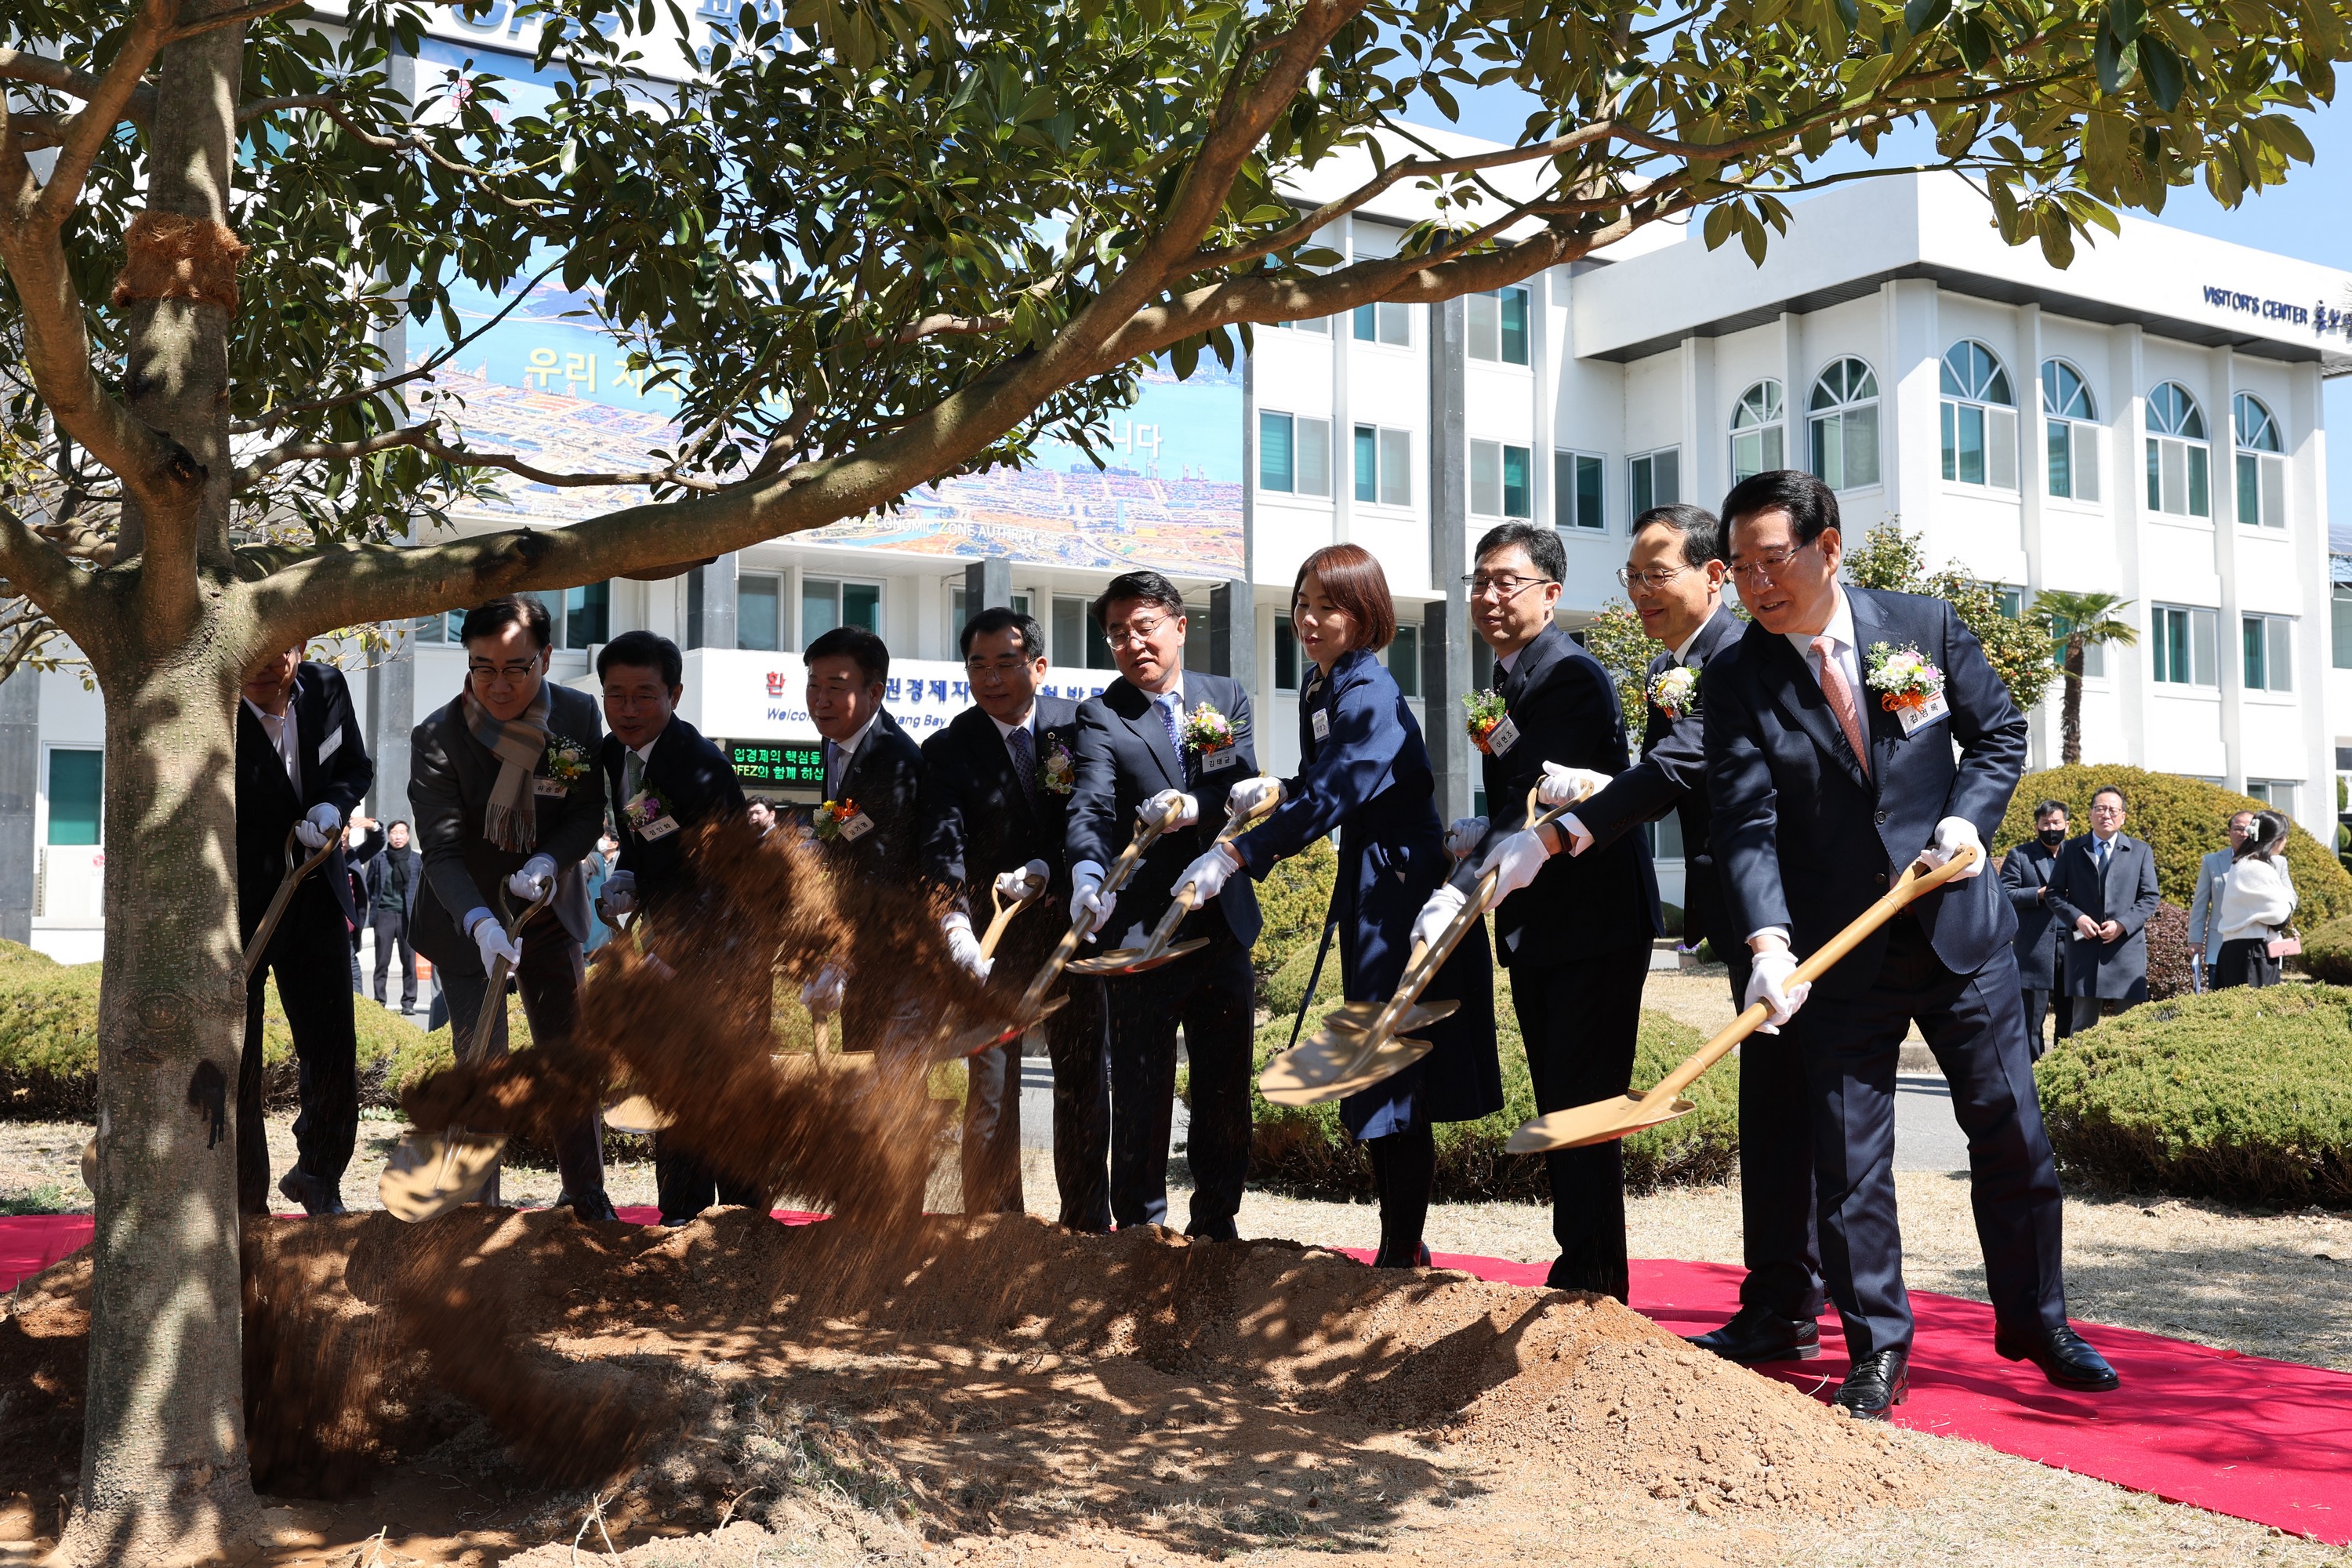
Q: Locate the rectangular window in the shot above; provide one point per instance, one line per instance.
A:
(2012, 602)
(758, 618)
(1319, 325)
(2276, 793)
(2073, 459)
(1655, 479)
(1385, 323)
(1383, 466)
(1404, 660)
(2094, 655)
(587, 615)
(827, 603)
(1286, 654)
(2269, 645)
(2179, 483)
(2261, 489)
(1074, 628)
(958, 615)
(1576, 489)
(1756, 451)
(440, 629)
(1980, 445)
(1278, 454)
(76, 794)
(2339, 607)
(1499, 480)
(2184, 646)
(1497, 322)
(1845, 448)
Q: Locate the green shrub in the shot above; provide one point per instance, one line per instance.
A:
(1293, 900)
(2327, 952)
(2240, 1095)
(2183, 819)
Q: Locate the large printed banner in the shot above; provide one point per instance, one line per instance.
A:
(744, 695)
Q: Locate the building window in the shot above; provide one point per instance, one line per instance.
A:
(2095, 655)
(1383, 466)
(1319, 325)
(1286, 654)
(1758, 441)
(2178, 457)
(2269, 653)
(1385, 323)
(826, 602)
(2073, 431)
(1294, 455)
(2276, 793)
(958, 616)
(1499, 325)
(577, 618)
(440, 629)
(1979, 418)
(1655, 479)
(1576, 492)
(2184, 646)
(76, 794)
(1074, 628)
(1843, 417)
(2262, 464)
(1404, 662)
(1501, 480)
(2339, 607)
(758, 613)
(2012, 602)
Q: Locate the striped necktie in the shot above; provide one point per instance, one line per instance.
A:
(1025, 763)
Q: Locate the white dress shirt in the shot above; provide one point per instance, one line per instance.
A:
(844, 753)
(284, 738)
(1840, 631)
(1004, 732)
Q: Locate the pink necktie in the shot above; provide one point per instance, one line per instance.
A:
(1841, 698)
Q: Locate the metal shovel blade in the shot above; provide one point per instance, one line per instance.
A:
(1318, 1070)
(974, 1041)
(1356, 1018)
(1603, 1121)
(430, 1173)
(635, 1114)
(1135, 960)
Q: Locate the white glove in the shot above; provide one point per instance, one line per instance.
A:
(323, 823)
(530, 883)
(620, 892)
(1251, 794)
(1209, 873)
(964, 947)
(1088, 900)
(1462, 839)
(1578, 836)
(1516, 860)
(822, 996)
(1565, 785)
(1436, 914)
(491, 938)
(1013, 886)
(1951, 835)
(1172, 809)
(1768, 983)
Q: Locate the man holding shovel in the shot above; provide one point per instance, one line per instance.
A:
(1849, 733)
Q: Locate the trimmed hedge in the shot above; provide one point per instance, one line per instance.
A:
(2183, 819)
(1293, 900)
(2242, 1095)
(2327, 952)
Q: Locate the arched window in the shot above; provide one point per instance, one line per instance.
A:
(2074, 431)
(1979, 418)
(2179, 460)
(1842, 416)
(1758, 442)
(2262, 464)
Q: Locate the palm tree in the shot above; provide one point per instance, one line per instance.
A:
(2078, 622)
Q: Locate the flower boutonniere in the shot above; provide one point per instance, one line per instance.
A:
(1207, 730)
(1485, 712)
(830, 817)
(1904, 679)
(1675, 691)
(567, 761)
(641, 813)
(1057, 771)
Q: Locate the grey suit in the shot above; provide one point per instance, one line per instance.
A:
(2102, 971)
(450, 781)
(2205, 908)
(2041, 937)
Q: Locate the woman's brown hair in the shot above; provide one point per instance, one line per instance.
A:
(1352, 580)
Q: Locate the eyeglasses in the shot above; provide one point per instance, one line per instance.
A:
(1508, 588)
(1767, 567)
(1653, 579)
(1005, 664)
(1137, 632)
(503, 671)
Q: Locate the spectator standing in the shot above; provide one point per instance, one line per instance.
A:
(2204, 930)
(596, 870)
(2104, 891)
(2040, 936)
(2257, 900)
(390, 880)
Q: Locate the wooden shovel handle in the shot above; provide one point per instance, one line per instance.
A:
(494, 997)
(1147, 833)
(1187, 897)
(1004, 914)
(295, 871)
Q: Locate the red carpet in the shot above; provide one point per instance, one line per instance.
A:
(2264, 1440)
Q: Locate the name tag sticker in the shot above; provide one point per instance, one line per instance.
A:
(331, 744)
(1502, 736)
(545, 787)
(659, 828)
(1322, 724)
(1218, 761)
(1917, 719)
(855, 828)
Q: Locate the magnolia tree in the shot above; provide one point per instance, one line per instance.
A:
(885, 242)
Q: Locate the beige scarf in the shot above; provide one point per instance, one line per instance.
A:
(511, 819)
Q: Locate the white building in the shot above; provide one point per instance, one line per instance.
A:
(2146, 422)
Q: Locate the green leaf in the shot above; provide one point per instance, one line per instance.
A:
(2167, 77)
(2125, 19)
(1920, 16)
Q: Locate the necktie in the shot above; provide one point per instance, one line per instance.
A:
(1169, 704)
(633, 778)
(1025, 764)
(1841, 698)
(831, 770)
(2104, 846)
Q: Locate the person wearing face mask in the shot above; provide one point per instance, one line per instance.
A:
(2025, 873)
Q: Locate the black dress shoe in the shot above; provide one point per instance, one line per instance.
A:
(2061, 1355)
(315, 1196)
(1760, 1334)
(591, 1207)
(1875, 1386)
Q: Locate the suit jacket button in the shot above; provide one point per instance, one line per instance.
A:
(1881, 822)
(1882, 879)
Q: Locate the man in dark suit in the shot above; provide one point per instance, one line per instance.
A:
(2104, 893)
(665, 779)
(388, 884)
(995, 807)
(507, 802)
(1676, 577)
(2041, 935)
(1848, 733)
(874, 773)
(1174, 741)
(1574, 930)
(301, 764)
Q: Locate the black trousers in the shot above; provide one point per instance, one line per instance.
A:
(391, 928)
(684, 1186)
(1578, 1020)
(992, 1106)
(1210, 994)
(308, 956)
(2245, 962)
(1780, 1233)
(548, 979)
(1975, 1026)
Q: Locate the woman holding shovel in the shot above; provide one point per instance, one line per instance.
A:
(1365, 770)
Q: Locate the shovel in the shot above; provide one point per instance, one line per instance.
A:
(1362, 1043)
(432, 1172)
(1162, 946)
(1604, 1120)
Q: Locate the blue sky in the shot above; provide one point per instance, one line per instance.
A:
(2307, 218)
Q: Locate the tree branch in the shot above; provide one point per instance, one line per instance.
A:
(108, 102)
(418, 142)
(231, 17)
(421, 438)
(38, 570)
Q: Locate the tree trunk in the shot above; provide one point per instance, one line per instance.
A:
(2071, 723)
(164, 1476)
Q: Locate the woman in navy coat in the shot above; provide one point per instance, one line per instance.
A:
(1365, 774)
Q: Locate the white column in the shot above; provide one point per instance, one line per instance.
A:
(2306, 490)
(2222, 426)
(1703, 459)
(2127, 667)
(1914, 466)
(2032, 485)
(1796, 392)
